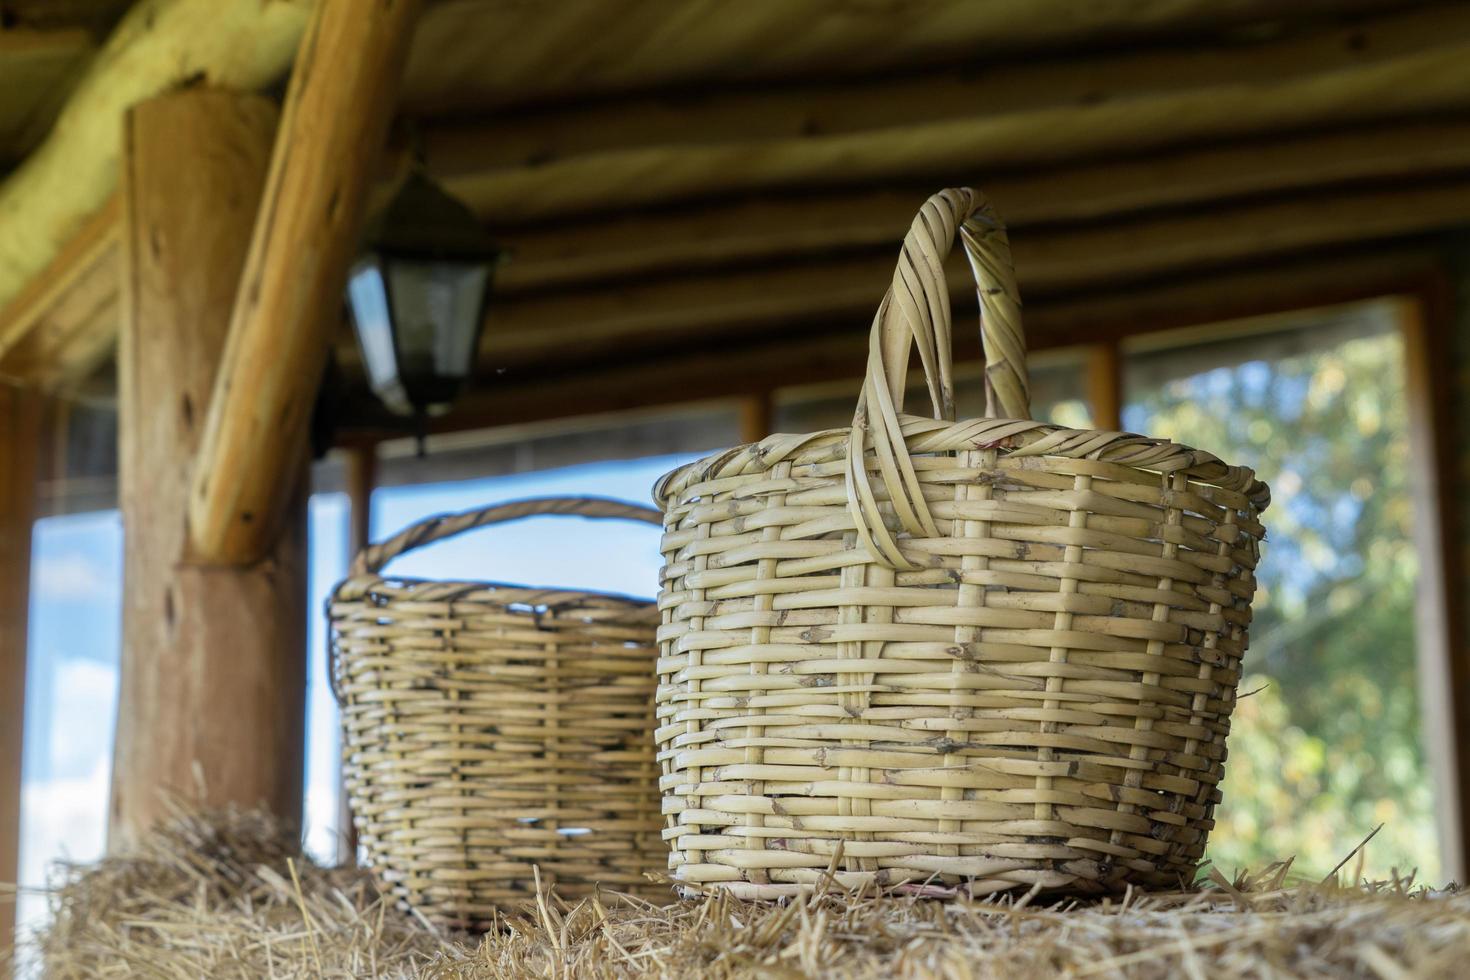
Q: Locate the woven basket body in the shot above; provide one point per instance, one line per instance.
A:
(489, 728)
(949, 656)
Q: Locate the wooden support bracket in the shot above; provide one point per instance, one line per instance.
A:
(334, 123)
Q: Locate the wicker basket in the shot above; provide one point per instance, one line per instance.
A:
(973, 655)
(489, 728)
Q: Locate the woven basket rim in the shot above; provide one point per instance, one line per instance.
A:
(365, 584)
(1011, 437)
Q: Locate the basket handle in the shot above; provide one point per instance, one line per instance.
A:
(915, 313)
(373, 558)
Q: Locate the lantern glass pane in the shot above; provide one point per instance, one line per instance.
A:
(437, 308)
(368, 295)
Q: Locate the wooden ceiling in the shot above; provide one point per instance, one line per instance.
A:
(690, 180)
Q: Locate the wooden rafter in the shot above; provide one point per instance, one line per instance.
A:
(710, 268)
(646, 152)
(64, 323)
(694, 309)
(703, 237)
(160, 44)
(573, 47)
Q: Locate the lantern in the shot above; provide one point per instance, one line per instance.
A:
(418, 293)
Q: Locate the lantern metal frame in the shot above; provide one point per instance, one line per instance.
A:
(421, 225)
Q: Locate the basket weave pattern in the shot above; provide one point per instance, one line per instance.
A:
(488, 728)
(974, 655)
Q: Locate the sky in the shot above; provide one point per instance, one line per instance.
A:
(75, 632)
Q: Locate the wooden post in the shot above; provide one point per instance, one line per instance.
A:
(332, 132)
(20, 439)
(1426, 325)
(755, 417)
(362, 473)
(361, 478)
(212, 701)
(1105, 386)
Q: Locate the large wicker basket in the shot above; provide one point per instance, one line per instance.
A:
(488, 728)
(972, 655)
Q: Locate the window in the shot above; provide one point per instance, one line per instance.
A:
(1327, 744)
(71, 697)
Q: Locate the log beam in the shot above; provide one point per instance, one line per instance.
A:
(522, 333)
(704, 236)
(332, 131)
(20, 440)
(63, 324)
(645, 152)
(55, 333)
(212, 699)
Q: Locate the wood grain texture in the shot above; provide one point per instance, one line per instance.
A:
(576, 47)
(20, 441)
(332, 131)
(213, 663)
(240, 44)
(682, 149)
(64, 321)
(700, 308)
(707, 235)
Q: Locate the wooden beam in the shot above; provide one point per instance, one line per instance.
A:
(160, 44)
(212, 697)
(63, 324)
(1427, 326)
(1105, 385)
(690, 310)
(688, 148)
(731, 367)
(332, 130)
(705, 236)
(20, 439)
(574, 47)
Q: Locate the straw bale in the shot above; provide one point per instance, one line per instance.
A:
(230, 895)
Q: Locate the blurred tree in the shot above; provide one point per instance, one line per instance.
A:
(1329, 746)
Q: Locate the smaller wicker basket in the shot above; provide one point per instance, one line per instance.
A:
(488, 728)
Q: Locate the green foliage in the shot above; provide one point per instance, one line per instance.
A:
(1330, 747)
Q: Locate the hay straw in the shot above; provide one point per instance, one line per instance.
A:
(230, 895)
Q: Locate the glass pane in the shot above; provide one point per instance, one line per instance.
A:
(71, 697)
(327, 541)
(1328, 746)
(369, 299)
(437, 309)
